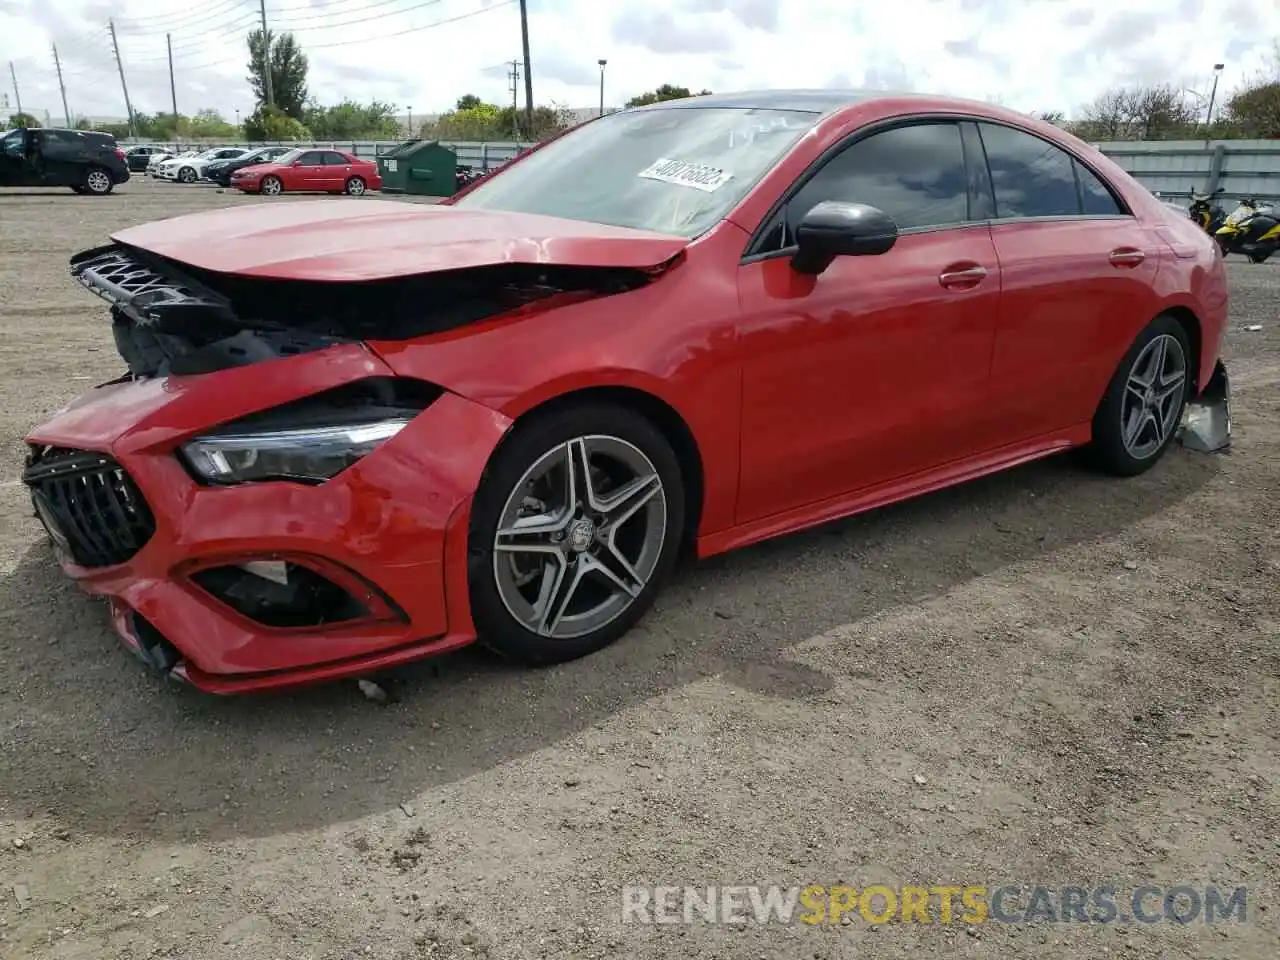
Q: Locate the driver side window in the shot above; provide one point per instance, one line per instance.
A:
(915, 173)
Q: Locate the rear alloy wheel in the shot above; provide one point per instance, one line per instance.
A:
(271, 186)
(575, 526)
(1142, 409)
(355, 187)
(98, 182)
(187, 175)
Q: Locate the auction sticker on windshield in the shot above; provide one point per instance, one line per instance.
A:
(699, 176)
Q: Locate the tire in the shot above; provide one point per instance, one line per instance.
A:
(98, 182)
(593, 611)
(1156, 409)
(1260, 256)
(271, 187)
(79, 190)
(354, 187)
(186, 175)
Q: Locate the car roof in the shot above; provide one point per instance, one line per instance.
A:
(818, 102)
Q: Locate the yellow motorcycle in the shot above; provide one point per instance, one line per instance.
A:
(1252, 229)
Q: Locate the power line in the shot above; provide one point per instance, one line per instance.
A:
(382, 36)
(162, 23)
(360, 9)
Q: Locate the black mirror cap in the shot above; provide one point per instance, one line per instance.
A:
(834, 228)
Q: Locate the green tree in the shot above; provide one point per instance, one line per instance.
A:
(349, 120)
(206, 125)
(469, 101)
(663, 93)
(1255, 110)
(468, 123)
(23, 121)
(288, 71)
(272, 124)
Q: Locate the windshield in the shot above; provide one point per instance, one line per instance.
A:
(677, 171)
(289, 157)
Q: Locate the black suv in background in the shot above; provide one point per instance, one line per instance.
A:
(84, 160)
(139, 157)
(220, 171)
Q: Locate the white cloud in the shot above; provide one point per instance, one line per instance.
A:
(1031, 54)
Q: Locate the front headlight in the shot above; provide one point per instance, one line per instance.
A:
(306, 455)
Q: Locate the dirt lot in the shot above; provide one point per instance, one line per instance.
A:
(1045, 677)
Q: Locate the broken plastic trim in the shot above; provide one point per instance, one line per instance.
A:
(1206, 422)
(173, 318)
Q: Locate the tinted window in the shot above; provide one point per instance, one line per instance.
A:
(335, 159)
(914, 173)
(1098, 200)
(14, 142)
(312, 158)
(1031, 177)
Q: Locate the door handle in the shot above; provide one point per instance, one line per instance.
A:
(963, 277)
(1126, 257)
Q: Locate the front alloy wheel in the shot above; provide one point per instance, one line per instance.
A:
(271, 186)
(186, 175)
(575, 526)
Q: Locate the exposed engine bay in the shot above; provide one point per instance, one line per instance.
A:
(170, 318)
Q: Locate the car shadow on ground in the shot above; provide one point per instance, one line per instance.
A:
(102, 747)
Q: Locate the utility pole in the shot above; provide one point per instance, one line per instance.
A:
(528, 70)
(514, 77)
(13, 74)
(173, 87)
(115, 46)
(266, 56)
(603, 64)
(1217, 72)
(62, 88)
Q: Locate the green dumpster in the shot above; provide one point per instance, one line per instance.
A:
(419, 166)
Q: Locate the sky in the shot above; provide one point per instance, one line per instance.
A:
(1033, 55)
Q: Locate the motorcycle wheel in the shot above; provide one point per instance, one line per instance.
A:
(1260, 256)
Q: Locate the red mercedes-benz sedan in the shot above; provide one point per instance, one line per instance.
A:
(310, 171)
(355, 436)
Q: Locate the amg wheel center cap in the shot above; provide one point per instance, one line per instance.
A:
(581, 535)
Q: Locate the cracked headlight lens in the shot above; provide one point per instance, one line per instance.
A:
(305, 455)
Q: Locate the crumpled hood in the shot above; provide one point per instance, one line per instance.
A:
(373, 239)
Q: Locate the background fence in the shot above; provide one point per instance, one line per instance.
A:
(1243, 168)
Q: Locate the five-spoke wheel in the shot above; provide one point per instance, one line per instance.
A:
(574, 527)
(1142, 408)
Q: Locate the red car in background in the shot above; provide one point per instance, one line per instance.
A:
(363, 434)
(310, 171)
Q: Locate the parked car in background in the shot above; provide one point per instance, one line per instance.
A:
(360, 435)
(191, 169)
(140, 157)
(84, 160)
(310, 171)
(220, 171)
(153, 168)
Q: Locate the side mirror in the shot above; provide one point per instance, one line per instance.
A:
(834, 228)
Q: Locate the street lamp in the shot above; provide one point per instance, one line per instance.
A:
(602, 63)
(411, 122)
(1217, 72)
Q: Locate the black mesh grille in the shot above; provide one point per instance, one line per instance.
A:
(90, 504)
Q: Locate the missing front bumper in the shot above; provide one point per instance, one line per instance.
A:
(1206, 423)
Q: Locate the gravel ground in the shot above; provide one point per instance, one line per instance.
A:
(1042, 677)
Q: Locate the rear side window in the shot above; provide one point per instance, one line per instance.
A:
(1031, 177)
(312, 158)
(333, 159)
(914, 173)
(1098, 200)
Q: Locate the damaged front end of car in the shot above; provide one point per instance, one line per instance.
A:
(170, 318)
(1206, 422)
